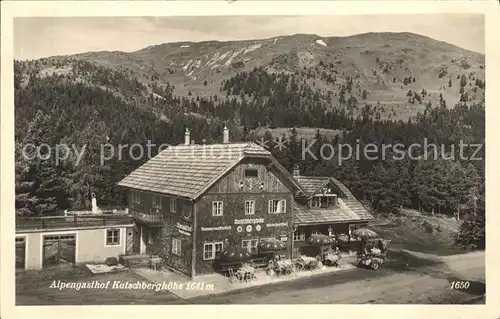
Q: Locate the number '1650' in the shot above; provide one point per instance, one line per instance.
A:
(459, 285)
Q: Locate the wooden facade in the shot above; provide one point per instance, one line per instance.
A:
(234, 210)
(161, 220)
(245, 193)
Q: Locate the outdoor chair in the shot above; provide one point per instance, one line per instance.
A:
(232, 275)
(155, 263)
(299, 265)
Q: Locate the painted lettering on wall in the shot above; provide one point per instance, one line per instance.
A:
(215, 228)
(284, 224)
(184, 229)
(248, 221)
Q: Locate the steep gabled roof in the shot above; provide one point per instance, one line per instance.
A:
(312, 184)
(189, 170)
(350, 200)
(303, 215)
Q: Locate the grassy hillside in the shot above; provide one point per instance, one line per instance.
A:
(383, 67)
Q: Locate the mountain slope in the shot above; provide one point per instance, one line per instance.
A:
(398, 73)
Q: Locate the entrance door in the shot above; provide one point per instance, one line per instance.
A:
(136, 239)
(59, 249)
(20, 252)
(150, 234)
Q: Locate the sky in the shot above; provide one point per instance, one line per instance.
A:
(46, 36)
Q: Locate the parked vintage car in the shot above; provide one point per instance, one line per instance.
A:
(373, 259)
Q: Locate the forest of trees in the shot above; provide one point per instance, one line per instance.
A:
(56, 109)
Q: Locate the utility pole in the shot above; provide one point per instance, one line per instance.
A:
(292, 235)
(475, 204)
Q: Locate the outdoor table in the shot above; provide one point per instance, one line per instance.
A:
(155, 263)
(302, 262)
(246, 272)
(307, 259)
(308, 262)
(333, 258)
(284, 263)
(284, 266)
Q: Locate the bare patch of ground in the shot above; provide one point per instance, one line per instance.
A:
(415, 231)
(302, 132)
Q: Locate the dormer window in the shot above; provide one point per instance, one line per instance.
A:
(324, 201)
(251, 173)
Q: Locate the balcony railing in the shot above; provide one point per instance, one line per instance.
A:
(152, 218)
(52, 222)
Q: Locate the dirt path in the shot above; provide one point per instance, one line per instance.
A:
(400, 285)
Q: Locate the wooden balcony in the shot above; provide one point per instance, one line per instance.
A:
(153, 219)
(62, 222)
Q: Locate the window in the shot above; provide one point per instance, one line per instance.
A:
(251, 172)
(136, 197)
(316, 232)
(59, 237)
(249, 207)
(173, 205)
(250, 245)
(299, 235)
(277, 206)
(156, 201)
(316, 201)
(217, 209)
(325, 202)
(334, 200)
(112, 237)
(176, 246)
(210, 250)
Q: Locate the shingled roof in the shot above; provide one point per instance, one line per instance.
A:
(312, 184)
(303, 215)
(351, 201)
(189, 170)
(348, 209)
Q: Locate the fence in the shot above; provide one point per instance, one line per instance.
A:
(34, 223)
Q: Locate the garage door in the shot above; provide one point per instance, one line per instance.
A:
(20, 252)
(59, 249)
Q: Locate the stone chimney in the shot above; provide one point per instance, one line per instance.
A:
(225, 135)
(296, 171)
(186, 137)
(95, 209)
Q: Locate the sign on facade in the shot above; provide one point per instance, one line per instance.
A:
(216, 228)
(184, 229)
(248, 221)
(284, 224)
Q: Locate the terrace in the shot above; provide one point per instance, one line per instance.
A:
(27, 224)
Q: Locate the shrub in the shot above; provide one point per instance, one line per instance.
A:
(111, 261)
